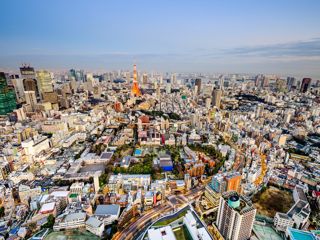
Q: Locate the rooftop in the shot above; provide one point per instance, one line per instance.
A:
(164, 233)
(47, 207)
(244, 206)
(106, 155)
(74, 216)
(112, 209)
(265, 232)
(94, 222)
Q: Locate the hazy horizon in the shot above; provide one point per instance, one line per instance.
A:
(272, 37)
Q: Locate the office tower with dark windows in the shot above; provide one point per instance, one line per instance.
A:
(306, 82)
(291, 83)
(30, 82)
(236, 215)
(7, 96)
(78, 75)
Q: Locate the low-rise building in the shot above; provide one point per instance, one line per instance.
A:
(70, 221)
(163, 233)
(95, 226)
(282, 221)
(109, 213)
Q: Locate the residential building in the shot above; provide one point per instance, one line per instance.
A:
(236, 215)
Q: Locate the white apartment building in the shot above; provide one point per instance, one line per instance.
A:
(282, 221)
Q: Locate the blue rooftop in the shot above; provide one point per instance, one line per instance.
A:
(14, 231)
(138, 152)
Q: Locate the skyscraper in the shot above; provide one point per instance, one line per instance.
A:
(31, 99)
(306, 82)
(291, 83)
(265, 82)
(173, 79)
(235, 216)
(198, 83)
(216, 97)
(135, 91)
(17, 83)
(29, 79)
(144, 78)
(45, 81)
(78, 75)
(7, 96)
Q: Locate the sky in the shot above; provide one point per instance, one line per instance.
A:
(211, 36)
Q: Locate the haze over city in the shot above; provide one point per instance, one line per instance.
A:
(160, 120)
(248, 36)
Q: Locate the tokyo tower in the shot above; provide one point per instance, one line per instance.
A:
(135, 91)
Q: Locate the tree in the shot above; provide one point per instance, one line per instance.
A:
(50, 222)
(1, 212)
(32, 226)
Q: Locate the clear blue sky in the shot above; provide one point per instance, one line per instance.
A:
(276, 36)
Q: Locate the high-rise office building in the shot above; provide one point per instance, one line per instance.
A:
(306, 82)
(208, 103)
(291, 83)
(31, 99)
(7, 96)
(173, 79)
(30, 82)
(78, 75)
(257, 80)
(144, 78)
(236, 215)
(265, 82)
(259, 110)
(198, 83)
(45, 81)
(17, 83)
(216, 97)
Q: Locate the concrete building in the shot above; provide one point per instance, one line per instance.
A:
(197, 233)
(31, 99)
(44, 81)
(33, 147)
(163, 233)
(70, 221)
(26, 193)
(216, 98)
(229, 181)
(95, 226)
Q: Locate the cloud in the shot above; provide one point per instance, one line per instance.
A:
(304, 49)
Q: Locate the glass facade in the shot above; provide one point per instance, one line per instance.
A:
(7, 96)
